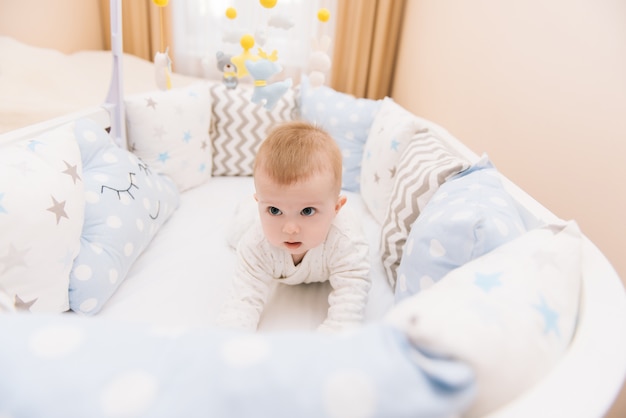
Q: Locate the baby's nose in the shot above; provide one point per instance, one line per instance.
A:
(290, 228)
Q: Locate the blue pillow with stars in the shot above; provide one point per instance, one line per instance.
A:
(346, 118)
(126, 204)
(468, 216)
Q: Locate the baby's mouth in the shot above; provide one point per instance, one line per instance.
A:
(292, 245)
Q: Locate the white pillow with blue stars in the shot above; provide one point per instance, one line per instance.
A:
(390, 133)
(511, 312)
(42, 205)
(126, 205)
(346, 118)
(169, 130)
(468, 216)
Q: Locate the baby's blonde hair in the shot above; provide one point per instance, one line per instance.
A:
(293, 151)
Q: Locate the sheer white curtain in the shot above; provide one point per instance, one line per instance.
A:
(201, 29)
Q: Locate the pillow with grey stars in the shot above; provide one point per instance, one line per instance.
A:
(42, 205)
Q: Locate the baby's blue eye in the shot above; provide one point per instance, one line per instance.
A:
(307, 212)
(274, 211)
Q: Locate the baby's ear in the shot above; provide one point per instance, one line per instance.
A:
(341, 200)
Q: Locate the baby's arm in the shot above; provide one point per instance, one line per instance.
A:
(350, 280)
(250, 289)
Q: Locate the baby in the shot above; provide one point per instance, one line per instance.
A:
(302, 236)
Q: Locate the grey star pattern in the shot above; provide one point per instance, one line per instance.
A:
(159, 131)
(72, 171)
(58, 208)
(151, 103)
(14, 258)
(21, 305)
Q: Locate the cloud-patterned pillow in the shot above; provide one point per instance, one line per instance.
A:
(468, 216)
(126, 204)
(390, 133)
(238, 126)
(169, 130)
(346, 118)
(41, 217)
(510, 314)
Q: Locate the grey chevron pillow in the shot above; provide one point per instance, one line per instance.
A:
(238, 126)
(425, 165)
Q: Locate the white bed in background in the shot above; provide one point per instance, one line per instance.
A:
(176, 285)
(38, 84)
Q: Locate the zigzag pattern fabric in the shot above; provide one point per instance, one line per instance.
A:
(425, 165)
(238, 126)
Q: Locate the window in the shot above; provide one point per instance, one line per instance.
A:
(201, 29)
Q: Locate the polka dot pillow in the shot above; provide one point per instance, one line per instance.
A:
(468, 216)
(71, 366)
(126, 204)
(346, 118)
(425, 164)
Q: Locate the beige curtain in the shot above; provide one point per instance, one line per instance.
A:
(146, 27)
(366, 43)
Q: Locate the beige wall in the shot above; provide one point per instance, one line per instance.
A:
(66, 25)
(538, 85)
(541, 87)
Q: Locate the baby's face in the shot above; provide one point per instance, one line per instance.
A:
(297, 217)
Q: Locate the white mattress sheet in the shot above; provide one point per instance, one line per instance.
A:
(184, 275)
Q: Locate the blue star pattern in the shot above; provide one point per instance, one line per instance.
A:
(187, 136)
(164, 156)
(2, 209)
(32, 144)
(487, 281)
(550, 316)
(394, 144)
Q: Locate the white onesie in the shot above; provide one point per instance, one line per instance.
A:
(343, 259)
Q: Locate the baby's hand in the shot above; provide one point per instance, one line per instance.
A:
(334, 327)
(326, 329)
